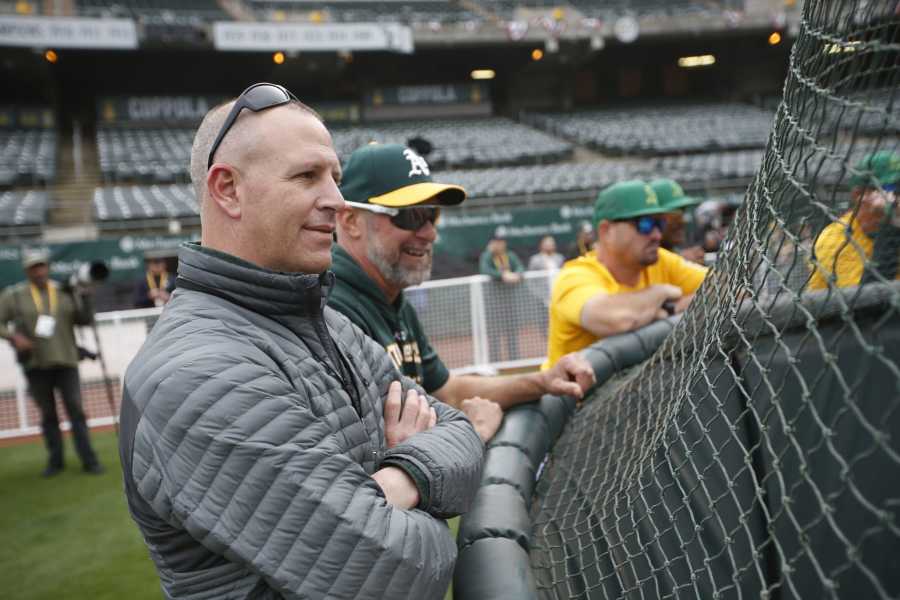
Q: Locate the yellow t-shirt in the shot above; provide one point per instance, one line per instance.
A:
(582, 278)
(836, 254)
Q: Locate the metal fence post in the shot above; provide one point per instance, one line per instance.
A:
(479, 322)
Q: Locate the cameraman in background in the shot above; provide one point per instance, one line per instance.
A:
(43, 314)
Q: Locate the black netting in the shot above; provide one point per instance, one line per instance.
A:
(757, 453)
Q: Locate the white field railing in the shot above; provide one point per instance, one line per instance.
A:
(476, 326)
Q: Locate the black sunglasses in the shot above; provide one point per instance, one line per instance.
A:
(646, 224)
(257, 97)
(407, 219)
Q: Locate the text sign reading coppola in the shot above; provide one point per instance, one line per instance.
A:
(155, 109)
(60, 32)
(329, 37)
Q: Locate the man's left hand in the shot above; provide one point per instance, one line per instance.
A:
(572, 375)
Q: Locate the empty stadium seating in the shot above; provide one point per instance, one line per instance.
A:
(27, 157)
(176, 12)
(129, 203)
(420, 11)
(462, 143)
(145, 155)
(662, 130)
(23, 209)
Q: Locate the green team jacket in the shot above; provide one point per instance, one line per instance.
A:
(17, 307)
(395, 326)
(487, 266)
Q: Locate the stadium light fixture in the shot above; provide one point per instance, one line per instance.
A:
(702, 60)
(774, 38)
(278, 58)
(537, 54)
(51, 56)
(483, 74)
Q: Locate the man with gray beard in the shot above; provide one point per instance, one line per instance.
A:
(386, 236)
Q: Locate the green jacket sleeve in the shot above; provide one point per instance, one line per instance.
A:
(7, 313)
(487, 267)
(514, 263)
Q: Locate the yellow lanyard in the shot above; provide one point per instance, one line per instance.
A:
(163, 281)
(39, 300)
(501, 262)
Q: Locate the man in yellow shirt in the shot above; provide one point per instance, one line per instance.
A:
(627, 282)
(843, 247)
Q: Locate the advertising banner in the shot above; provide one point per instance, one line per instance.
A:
(312, 37)
(65, 32)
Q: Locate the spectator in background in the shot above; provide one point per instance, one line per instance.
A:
(156, 286)
(502, 303)
(547, 258)
(674, 238)
(869, 230)
(43, 314)
(584, 241)
(628, 282)
(385, 242)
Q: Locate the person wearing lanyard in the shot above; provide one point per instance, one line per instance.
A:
(43, 317)
(155, 288)
(503, 299)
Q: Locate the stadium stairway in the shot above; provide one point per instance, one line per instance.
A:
(73, 192)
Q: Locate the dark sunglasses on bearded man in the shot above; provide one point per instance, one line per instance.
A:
(646, 224)
(411, 218)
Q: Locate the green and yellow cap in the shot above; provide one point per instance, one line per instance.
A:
(670, 195)
(395, 176)
(626, 200)
(877, 169)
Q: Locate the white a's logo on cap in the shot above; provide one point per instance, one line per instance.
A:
(417, 164)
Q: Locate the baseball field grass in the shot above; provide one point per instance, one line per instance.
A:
(71, 536)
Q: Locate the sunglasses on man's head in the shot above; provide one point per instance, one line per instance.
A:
(407, 219)
(257, 97)
(646, 224)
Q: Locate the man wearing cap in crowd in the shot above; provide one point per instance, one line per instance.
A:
(43, 315)
(385, 243)
(628, 282)
(674, 238)
(868, 231)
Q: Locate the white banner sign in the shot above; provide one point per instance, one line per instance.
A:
(61, 32)
(229, 35)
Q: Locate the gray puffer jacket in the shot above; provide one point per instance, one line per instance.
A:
(251, 423)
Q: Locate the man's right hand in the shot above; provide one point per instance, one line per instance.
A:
(666, 292)
(21, 343)
(486, 416)
(402, 420)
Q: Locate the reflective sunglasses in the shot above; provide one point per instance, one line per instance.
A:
(891, 187)
(407, 219)
(257, 97)
(646, 224)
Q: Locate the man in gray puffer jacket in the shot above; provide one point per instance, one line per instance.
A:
(265, 448)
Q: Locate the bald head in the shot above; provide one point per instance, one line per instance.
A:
(238, 145)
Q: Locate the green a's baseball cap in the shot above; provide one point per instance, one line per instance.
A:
(670, 195)
(877, 169)
(394, 175)
(626, 200)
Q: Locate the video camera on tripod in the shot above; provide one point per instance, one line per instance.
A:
(86, 276)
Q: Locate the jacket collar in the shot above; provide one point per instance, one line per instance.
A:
(348, 271)
(254, 287)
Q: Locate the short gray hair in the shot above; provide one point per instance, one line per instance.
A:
(203, 141)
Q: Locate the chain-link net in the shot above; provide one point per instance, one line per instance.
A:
(757, 453)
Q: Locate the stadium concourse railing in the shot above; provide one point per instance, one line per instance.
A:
(475, 324)
(525, 537)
